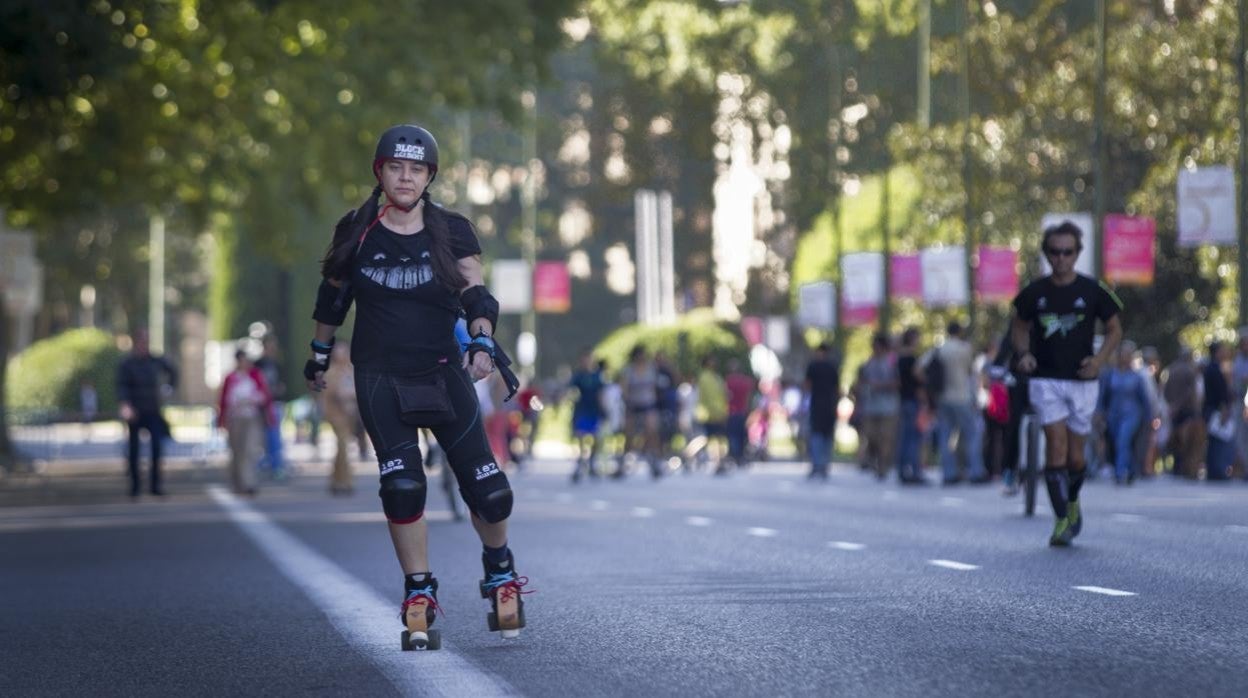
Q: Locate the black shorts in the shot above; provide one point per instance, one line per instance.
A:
(398, 444)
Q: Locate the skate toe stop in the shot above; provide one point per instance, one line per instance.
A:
(510, 634)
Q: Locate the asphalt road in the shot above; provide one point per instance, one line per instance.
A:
(758, 583)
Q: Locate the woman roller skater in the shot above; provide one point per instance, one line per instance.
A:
(410, 266)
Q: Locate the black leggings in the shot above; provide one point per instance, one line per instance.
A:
(463, 440)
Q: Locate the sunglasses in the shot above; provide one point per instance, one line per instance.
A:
(1061, 251)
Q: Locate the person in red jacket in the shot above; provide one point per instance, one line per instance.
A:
(243, 411)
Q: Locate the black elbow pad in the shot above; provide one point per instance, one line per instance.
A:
(478, 304)
(332, 303)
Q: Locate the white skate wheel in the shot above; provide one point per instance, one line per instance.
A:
(511, 634)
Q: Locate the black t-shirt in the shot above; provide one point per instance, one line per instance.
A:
(908, 387)
(405, 318)
(1063, 322)
(824, 376)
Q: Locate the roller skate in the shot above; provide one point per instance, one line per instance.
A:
(419, 609)
(502, 587)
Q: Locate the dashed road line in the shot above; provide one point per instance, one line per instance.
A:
(358, 613)
(643, 512)
(846, 545)
(1105, 590)
(953, 565)
(600, 505)
(700, 521)
(1236, 528)
(952, 501)
(890, 495)
(1126, 518)
(564, 497)
(760, 532)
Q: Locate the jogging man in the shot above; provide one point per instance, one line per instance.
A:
(1053, 329)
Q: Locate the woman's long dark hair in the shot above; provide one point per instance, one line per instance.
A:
(350, 229)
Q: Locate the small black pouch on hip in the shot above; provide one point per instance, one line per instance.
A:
(423, 399)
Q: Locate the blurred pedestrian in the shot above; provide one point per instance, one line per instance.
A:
(1149, 366)
(586, 415)
(142, 379)
(1180, 388)
(639, 381)
(269, 366)
(881, 406)
(1219, 414)
(823, 383)
(956, 410)
(88, 406)
(668, 397)
(712, 410)
(342, 412)
(1239, 392)
(1124, 404)
(243, 409)
(740, 389)
(909, 387)
(1004, 417)
(1053, 330)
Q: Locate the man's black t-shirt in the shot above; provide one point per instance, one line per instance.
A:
(405, 318)
(1063, 322)
(908, 385)
(824, 376)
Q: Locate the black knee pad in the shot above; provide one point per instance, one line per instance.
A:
(488, 494)
(402, 497)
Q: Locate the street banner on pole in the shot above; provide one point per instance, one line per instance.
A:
(1207, 206)
(1130, 249)
(996, 278)
(944, 276)
(752, 330)
(905, 276)
(1086, 264)
(512, 283)
(552, 287)
(776, 334)
(816, 305)
(862, 281)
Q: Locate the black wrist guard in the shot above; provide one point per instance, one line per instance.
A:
(482, 343)
(332, 303)
(312, 366)
(479, 304)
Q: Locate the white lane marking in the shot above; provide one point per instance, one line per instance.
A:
(1105, 591)
(564, 497)
(952, 501)
(1126, 518)
(953, 565)
(845, 545)
(365, 620)
(785, 486)
(890, 495)
(600, 505)
(1236, 528)
(374, 516)
(643, 512)
(760, 532)
(698, 521)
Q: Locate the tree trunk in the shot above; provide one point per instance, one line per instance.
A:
(8, 457)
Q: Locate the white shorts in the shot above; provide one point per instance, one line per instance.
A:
(1073, 402)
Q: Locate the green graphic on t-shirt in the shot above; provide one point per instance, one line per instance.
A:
(1054, 323)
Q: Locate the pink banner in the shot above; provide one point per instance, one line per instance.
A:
(905, 276)
(752, 330)
(1129, 242)
(552, 287)
(996, 279)
(859, 316)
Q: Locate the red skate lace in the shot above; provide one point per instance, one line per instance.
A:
(422, 595)
(511, 589)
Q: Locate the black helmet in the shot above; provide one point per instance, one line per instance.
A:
(407, 142)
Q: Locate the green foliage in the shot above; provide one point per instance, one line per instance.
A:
(685, 343)
(47, 376)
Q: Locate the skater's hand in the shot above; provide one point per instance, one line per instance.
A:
(1026, 363)
(481, 367)
(1090, 368)
(126, 412)
(314, 374)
